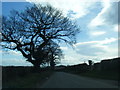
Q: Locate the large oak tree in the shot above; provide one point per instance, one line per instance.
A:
(33, 28)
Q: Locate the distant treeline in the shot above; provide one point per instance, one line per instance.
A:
(104, 65)
(108, 64)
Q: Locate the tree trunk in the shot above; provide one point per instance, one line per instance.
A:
(52, 64)
(36, 65)
(36, 68)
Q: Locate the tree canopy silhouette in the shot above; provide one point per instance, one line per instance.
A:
(50, 53)
(34, 28)
(90, 62)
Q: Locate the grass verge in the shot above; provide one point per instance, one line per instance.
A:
(107, 75)
(28, 81)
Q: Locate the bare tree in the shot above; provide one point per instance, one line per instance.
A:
(55, 53)
(33, 28)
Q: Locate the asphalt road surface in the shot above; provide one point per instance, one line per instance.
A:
(66, 80)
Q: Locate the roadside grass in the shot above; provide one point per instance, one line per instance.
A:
(28, 81)
(106, 75)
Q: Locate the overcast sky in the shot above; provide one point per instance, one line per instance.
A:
(98, 23)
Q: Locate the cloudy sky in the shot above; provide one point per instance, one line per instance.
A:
(98, 23)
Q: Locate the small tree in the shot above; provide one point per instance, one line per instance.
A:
(90, 64)
(55, 54)
(33, 28)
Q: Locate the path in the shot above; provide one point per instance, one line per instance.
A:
(66, 80)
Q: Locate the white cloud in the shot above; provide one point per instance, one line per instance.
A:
(71, 58)
(15, 62)
(79, 7)
(99, 20)
(108, 40)
(64, 48)
(111, 14)
(105, 41)
(117, 28)
(106, 21)
(98, 33)
(108, 15)
(90, 49)
(12, 52)
(15, 53)
(95, 48)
